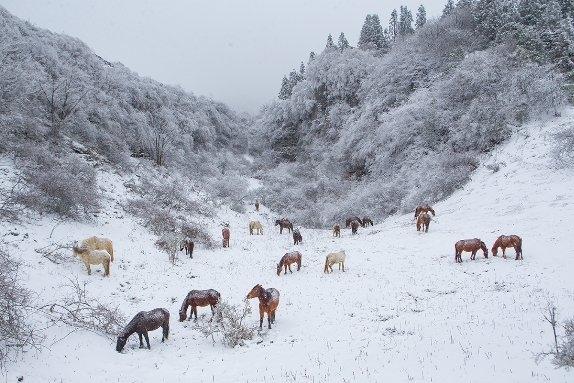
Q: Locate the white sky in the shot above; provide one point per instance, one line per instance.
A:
(235, 51)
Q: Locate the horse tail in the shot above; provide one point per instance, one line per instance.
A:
(111, 251)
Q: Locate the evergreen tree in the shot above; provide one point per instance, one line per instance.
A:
(448, 8)
(343, 43)
(302, 69)
(366, 37)
(311, 57)
(567, 7)
(285, 91)
(373, 37)
(405, 22)
(330, 45)
(421, 17)
(394, 25)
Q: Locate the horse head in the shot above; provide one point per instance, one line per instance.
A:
(484, 248)
(279, 266)
(121, 343)
(255, 291)
(277, 222)
(182, 315)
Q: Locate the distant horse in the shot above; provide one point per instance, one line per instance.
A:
(332, 258)
(284, 224)
(93, 257)
(297, 237)
(268, 302)
(287, 260)
(505, 241)
(470, 245)
(351, 219)
(256, 205)
(199, 298)
(355, 226)
(255, 226)
(366, 222)
(143, 322)
(425, 208)
(188, 245)
(423, 222)
(225, 233)
(337, 230)
(99, 243)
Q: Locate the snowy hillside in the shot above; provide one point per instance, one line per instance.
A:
(403, 310)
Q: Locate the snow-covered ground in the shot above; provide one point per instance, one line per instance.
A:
(403, 310)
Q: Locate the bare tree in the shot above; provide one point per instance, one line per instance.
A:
(550, 317)
(228, 322)
(62, 98)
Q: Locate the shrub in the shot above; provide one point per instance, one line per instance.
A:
(228, 324)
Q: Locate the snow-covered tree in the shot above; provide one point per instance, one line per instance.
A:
(372, 36)
(421, 16)
(311, 57)
(285, 91)
(302, 69)
(405, 22)
(330, 44)
(394, 25)
(448, 8)
(343, 43)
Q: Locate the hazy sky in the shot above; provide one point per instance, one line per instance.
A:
(231, 50)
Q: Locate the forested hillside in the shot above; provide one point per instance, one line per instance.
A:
(406, 116)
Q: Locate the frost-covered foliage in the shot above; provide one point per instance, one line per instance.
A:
(367, 135)
(228, 323)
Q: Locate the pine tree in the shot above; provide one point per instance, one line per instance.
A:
(448, 8)
(343, 43)
(405, 22)
(366, 37)
(567, 7)
(394, 25)
(302, 69)
(311, 57)
(330, 45)
(285, 91)
(421, 17)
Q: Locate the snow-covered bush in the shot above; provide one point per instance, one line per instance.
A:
(228, 323)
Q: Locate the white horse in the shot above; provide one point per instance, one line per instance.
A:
(257, 226)
(93, 257)
(332, 258)
(98, 243)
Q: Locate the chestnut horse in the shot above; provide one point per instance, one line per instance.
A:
(423, 222)
(505, 241)
(351, 219)
(297, 237)
(200, 298)
(332, 258)
(287, 260)
(143, 322)
(337, 230)
(225, 233)
(188, 245)
(284, 224)
(255, 226)
(471, 245)
(424, 209)
(355, 226)
(366, 222)
(268, 302)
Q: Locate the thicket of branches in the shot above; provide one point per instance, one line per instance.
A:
(228, 324)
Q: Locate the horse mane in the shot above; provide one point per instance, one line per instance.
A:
(129, 329)
(184, 305)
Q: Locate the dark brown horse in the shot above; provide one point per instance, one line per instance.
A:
(256, 205)
(337, 230)
(287, 260)
(225, 233)
(355, 226)
(470, 245)
(351, 219)
(188, 245)
(366, 222)
(200, 298)
(297, 237)
(505, 241)
(423, 222)
(143, 322)
(268, 302)
(425, 208)
(284, 224)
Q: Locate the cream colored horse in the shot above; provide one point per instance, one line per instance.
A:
(99, 243)
(332, 258)
(93, 257)
(255, 225)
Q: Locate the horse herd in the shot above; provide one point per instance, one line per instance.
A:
(95, 250)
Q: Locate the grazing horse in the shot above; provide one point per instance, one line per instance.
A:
(143, 322)
(297, 237)
(471, 245)
(268, 302)
(255, 226)
(225, 233)
(287, 260)
(332, 258)
(337, 230)
(188, 245)
(256, 205)
(366, 222)
(99, 243)
(200, 298)
(351, 219)
(425, 208)
(284, 224)
(93, 257)
(423, 222)
(505, 241)
(355, 226)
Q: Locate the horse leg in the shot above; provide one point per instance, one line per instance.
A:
(343, 264)
(261, 314)
(273, 317)
(291, 271)
(88, 268)
(195, 312)
(298, 265)
(165, 332)
(285, 266)
(269, 320)
(147, 340)
(141, 340)
(504, 252)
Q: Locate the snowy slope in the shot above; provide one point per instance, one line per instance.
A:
(403, 311)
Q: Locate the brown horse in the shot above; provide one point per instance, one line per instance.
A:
(297, 237)
(256, 205)
(143, 322)
(337, 230)
(287, 260)
(268, 302)
(225, 233)
(423, 222)
(188, 245)
(284, 224)
(505, 241)
(425, 208)
(355, 226)
(200, 298)
(351, 219)
(471, 245)
(366, 222)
